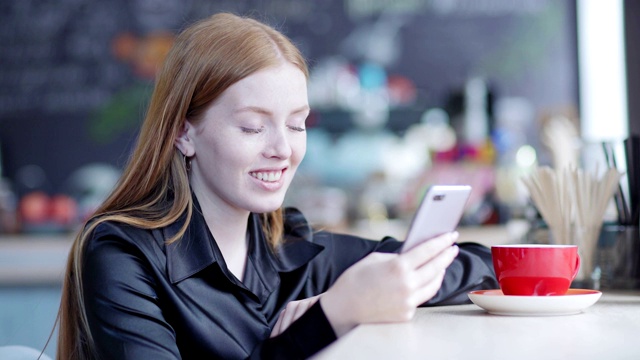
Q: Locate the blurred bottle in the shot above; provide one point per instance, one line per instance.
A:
(39, 212)
(8, 204)
(8, 216)
(476, 117)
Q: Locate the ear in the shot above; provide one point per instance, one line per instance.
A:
(183, 142)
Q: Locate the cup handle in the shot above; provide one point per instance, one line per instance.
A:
(575, 272)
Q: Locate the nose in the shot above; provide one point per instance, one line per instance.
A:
(278, 144)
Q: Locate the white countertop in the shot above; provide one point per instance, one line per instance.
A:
(607, 330)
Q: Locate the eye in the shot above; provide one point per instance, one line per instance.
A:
(296, 128)
(247, 130)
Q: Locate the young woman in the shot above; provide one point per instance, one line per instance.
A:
(192, 256)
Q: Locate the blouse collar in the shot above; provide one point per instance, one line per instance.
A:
(196, 250)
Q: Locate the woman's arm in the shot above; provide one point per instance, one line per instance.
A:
(472, 269)
(388, 287)
(123, 309)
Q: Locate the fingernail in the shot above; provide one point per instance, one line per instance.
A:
(455, 235)
(454, 248)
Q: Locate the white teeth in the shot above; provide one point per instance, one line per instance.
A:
(270, 176)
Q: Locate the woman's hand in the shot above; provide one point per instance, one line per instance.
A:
(388, 287)
(291, 313)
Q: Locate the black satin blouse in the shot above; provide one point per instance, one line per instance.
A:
(148, 300)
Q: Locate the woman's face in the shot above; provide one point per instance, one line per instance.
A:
(250, 142)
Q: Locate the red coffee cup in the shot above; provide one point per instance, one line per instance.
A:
(535, 270)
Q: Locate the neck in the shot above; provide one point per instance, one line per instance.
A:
(229, 229)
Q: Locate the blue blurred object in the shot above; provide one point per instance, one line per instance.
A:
(372, 76)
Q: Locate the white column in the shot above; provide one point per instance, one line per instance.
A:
(601, 57)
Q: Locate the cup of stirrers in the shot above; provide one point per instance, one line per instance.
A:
(573, 203)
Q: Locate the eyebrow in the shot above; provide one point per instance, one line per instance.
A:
(264, 111)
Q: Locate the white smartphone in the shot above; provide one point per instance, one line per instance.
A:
(439, 212)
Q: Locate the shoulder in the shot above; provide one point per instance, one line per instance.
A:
(112, 234)
(296, 227)
(121, 253)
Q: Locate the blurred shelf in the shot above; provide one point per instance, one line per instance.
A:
(41, 259)
(487, 235)
(33, 259)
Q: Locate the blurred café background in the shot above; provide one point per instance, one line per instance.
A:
(404, 94)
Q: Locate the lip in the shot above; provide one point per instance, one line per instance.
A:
(270, 186)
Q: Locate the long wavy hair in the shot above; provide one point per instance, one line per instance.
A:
(207, 58)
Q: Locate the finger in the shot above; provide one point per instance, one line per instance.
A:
(304, 306)
(285, 318)
(288, 315)
(431, 270)
(307, 304)
(276, 328)
(294, 310)
(429, 249)
(291, 313)
(428, 290)
(301, 309)
(439, 263)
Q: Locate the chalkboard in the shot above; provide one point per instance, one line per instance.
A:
(75, 75)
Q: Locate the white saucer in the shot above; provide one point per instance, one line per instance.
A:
(495, 302)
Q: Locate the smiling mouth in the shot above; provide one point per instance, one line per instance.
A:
(267, 176)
